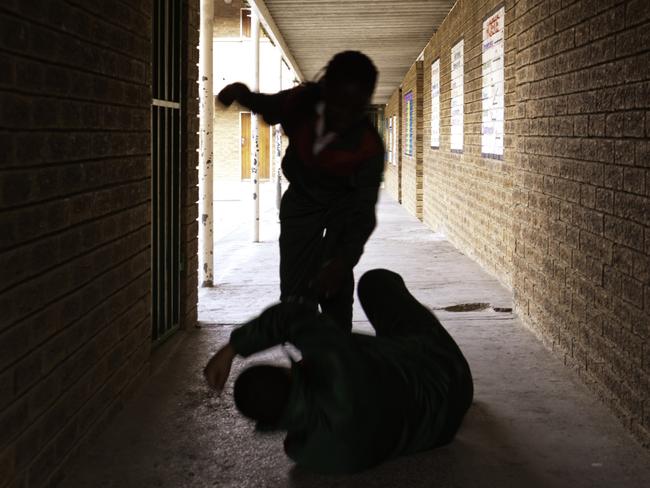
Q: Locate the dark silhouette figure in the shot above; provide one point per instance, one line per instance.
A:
(334, 164)
(354, 400)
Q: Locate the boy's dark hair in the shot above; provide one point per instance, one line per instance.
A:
(352, 66)
(261, 393)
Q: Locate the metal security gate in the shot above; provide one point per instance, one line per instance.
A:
(166, 151)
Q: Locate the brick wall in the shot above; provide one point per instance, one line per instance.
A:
(190, 175)
(227, 18)
(227, 134)
(75, 330)
(467, 196)
(563, 218)
(392, 172)
(227, 142)
(411, 176)
(581, 211)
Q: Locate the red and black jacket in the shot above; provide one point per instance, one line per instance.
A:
(343, 177)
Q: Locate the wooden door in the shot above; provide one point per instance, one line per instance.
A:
(265, 147)
(245, 22)
(245, 145)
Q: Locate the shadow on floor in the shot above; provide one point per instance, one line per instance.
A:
(454, 465)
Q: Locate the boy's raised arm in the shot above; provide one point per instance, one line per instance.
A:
(270, 106)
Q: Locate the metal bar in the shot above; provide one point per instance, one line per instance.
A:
(161, 222)
(162, 150)
(164, 103)
(166, 43)
(154, 222)
(170, 221)
(176, 190)
(166, 157)
(182, 120)
(177, 64)
(172, 53)
(154, 51)
(160, 65)
(166, 226)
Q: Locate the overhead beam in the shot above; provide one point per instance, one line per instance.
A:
(276, 36)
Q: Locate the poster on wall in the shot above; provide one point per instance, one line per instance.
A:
(435, 103)
(389, 151)
(408, 115)
(394, 139)
(457, 81)
(493, 85)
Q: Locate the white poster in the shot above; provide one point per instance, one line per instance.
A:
(390, 140)
(408, 139)
(493, 84)
(435, 103)
(395, 140)
(457, 81)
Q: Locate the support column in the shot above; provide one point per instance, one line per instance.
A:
(277, 143)
(206, 114)
(255, 143)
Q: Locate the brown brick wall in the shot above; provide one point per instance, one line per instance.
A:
(563, 218)
(227, 135)
(190, 176)
(467, 196)
(581, 192)
(227, 18)
(227, 142)
(411, 175)
(75, 330)
(392, 171)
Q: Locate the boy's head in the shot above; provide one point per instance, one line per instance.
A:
(261, 393)
(348, 85)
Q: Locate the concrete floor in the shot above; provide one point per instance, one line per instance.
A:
(532, 424)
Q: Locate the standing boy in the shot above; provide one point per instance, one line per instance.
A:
(334, 164)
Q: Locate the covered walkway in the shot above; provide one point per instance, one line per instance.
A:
(533, 424)
(517, 137)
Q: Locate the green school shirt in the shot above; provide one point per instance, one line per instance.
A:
(356, 399)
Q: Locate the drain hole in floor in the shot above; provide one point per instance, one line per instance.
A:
(467, 307)
(502, 309)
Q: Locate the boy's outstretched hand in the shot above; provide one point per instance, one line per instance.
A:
(233, 92)
(217, 370)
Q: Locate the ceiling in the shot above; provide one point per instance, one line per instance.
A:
(391, 32)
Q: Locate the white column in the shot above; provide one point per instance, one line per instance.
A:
(206, 113)
(255, 143)
(277, 150)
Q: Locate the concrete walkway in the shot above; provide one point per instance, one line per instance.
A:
(532, 424)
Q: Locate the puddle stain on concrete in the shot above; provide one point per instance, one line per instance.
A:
(474, 307)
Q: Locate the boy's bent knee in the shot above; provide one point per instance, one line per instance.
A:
(377, 278)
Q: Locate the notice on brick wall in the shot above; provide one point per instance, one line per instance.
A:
(493, 85)
(435, 103)
(389, 149)
(394, 148)
(457, 80)
(408, 121)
